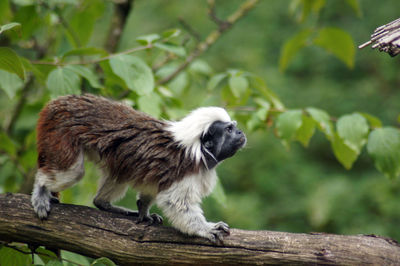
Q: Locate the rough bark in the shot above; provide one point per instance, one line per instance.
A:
(95, 233)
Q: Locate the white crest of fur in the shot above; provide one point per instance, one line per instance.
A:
(189, 130)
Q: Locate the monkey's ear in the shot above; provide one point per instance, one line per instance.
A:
(211, 130)
(208, 158)
(208, 144)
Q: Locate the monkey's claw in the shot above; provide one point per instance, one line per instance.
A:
(218, 232)
(153, 218)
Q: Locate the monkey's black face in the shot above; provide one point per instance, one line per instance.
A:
(221, 141)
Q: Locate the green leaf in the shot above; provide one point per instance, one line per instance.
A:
(345, 154)
(54, 262)
(85, 51)
(9, 256)
(372, 120)
(171, 48)
(45, 255)
(238, 85)
(337, 42)
(215, 80)
(287, 125)
(323, 121)
(179, 83)
(263, 103)
(257, 118)
(9, 26)
(219, 194)
(259, 84)
(63, 81)
(292, 46)
(171, 33)
(353, 129)
(302, 8)
(164, 91)
(39, 75)
(103, 261)
(262, 112)
(82, 20)
(150, 104)
(306, 131)
(9, 61)
(148, 39)
(111, 80)
(137, 74)
(75, 257)
(10, 83)
(201, 67)
(87, 74)
(384, 147)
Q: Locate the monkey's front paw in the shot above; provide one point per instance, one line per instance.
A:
(218, 232)
(153, 218)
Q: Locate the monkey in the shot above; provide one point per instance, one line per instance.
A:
(169, 163)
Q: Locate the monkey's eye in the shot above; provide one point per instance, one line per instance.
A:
(229, 129)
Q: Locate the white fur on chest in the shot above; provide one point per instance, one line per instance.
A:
(191, 188)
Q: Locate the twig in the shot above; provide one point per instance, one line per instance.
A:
(211, 39)
(213, 15)
(164, 61)
(190, 29)
(169, 57)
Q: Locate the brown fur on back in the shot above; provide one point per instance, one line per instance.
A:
(133, 146)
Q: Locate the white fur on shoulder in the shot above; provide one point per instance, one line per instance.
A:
(189, 130)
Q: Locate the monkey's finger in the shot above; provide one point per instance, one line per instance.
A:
(157, 219)
(42, 212)
(223, 226)
(218, 237)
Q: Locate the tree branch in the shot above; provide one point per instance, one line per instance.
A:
(96, 233)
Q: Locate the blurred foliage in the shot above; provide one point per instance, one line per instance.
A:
(289, 75)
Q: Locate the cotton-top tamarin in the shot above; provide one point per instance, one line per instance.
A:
(170, 163)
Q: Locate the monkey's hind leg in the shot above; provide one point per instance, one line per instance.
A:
(50, 181)
(108, 192)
